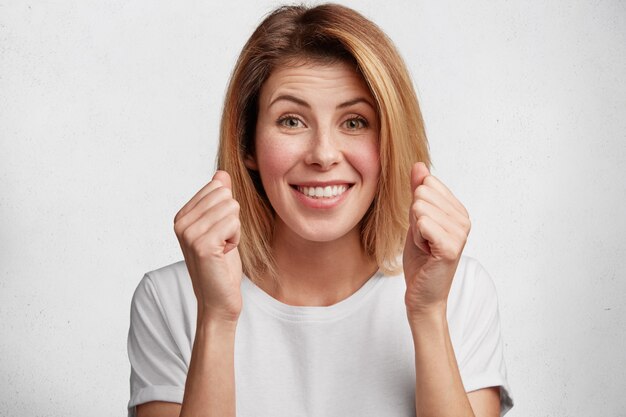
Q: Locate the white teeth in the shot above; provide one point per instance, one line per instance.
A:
(323, 192)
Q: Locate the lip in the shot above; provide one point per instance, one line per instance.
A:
(321, 203)
(322, 183)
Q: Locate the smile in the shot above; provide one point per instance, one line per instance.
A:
(328, 191)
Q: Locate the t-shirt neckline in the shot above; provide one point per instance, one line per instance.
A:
(310, 313)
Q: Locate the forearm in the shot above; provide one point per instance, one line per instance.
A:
(210, 386)
(439, 390)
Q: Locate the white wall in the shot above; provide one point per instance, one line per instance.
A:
(108, 123)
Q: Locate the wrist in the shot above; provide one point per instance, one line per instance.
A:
(428, 320)
(211, 321)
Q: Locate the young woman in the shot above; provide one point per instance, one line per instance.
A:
(323, 271)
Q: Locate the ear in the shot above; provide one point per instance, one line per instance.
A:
(250, 162)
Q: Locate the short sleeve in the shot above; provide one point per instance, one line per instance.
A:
(158, 371)
(481, 357)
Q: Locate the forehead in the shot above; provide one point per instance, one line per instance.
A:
(338, 81)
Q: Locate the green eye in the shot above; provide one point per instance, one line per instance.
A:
(290, 122)
(355, 123)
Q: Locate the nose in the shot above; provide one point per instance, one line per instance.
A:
(323, 151)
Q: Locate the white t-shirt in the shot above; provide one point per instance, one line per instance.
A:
(354, 358)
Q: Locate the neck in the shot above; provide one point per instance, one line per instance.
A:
(318, 273)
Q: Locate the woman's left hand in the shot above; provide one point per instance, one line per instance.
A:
(438, 230)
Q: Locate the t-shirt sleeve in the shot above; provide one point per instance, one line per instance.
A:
(158, 371)
(481, 357)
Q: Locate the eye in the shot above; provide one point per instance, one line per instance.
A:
(355, 123)
(290, 122)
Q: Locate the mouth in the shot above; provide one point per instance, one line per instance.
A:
(320, 192)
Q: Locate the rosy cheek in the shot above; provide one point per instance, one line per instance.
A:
(274, 157)
(366, 160)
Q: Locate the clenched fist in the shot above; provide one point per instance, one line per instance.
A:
(438, 230)
(208, 230)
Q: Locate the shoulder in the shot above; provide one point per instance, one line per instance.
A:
(166, 285)
(172, 275)
(160, 336)
(472, 289)
(471, 277)
(474, 323)
(169, 273)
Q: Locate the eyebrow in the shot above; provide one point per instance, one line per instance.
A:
(355, 101)
(293, 99)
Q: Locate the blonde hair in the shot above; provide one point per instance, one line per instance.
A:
(327, 33)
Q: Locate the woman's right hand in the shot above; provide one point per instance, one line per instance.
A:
(208, 231)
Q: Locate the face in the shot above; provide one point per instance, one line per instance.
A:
(317, 149)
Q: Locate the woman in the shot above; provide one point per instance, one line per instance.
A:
(290, 299)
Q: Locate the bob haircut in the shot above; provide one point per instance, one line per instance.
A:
(325, 34)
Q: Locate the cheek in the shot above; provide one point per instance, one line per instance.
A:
(273, 157)
(367, 161)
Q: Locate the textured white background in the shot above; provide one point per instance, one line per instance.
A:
(108, 124)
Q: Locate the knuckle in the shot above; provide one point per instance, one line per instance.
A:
(177, 229)
(200, 248)
(463, 223)
(179, 225)
(468, 224)
(178, 216)
(459, 250)
(186, 235)
(450, 252)
(232, 220)
(224, 192)
(236, 221)
(215, 196)
(462, 240)
(233, 205)
(195, 247)
(420, 191)
(421, 221)
(419, 207)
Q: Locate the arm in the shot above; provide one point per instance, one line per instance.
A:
(439, 226)
(438, 387)
(208, 231)
(210, 385)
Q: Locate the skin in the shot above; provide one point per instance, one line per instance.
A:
(317, 125)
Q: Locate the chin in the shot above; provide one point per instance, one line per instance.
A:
(325, 233)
